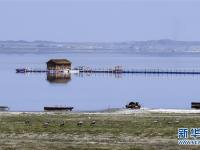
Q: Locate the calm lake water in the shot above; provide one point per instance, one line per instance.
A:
(31, 92)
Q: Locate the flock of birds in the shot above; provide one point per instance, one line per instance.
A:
(80, 123)
(62, 123)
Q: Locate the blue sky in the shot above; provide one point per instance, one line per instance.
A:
(99, 20)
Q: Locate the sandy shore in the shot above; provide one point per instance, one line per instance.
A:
(110, 111)
(146, 110)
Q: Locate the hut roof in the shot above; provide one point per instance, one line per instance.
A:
(59, 61)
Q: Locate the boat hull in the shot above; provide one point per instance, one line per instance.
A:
(58, 108)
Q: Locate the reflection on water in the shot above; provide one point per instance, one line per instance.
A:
(58, 77)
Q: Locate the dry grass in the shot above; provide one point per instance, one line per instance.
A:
(134, 132)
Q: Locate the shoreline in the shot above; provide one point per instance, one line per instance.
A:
(113, 111)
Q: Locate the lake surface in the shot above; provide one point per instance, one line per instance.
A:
(31, 92)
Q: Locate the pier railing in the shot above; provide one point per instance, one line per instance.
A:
(142, 71)
(117, 71)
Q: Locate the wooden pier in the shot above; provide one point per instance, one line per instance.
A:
(23, 70)
(117, 71)
(144, 71)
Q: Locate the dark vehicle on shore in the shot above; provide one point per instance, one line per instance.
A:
(4, 108)
(133, 105)
(195, 105)
(57, 108)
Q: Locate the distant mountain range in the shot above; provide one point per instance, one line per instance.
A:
(151, 46)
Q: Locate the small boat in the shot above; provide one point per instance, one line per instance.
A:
(57, 108)
(133, 105)
(4, 108)
(23, 70)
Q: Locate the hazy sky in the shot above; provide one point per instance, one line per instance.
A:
(95, 20)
